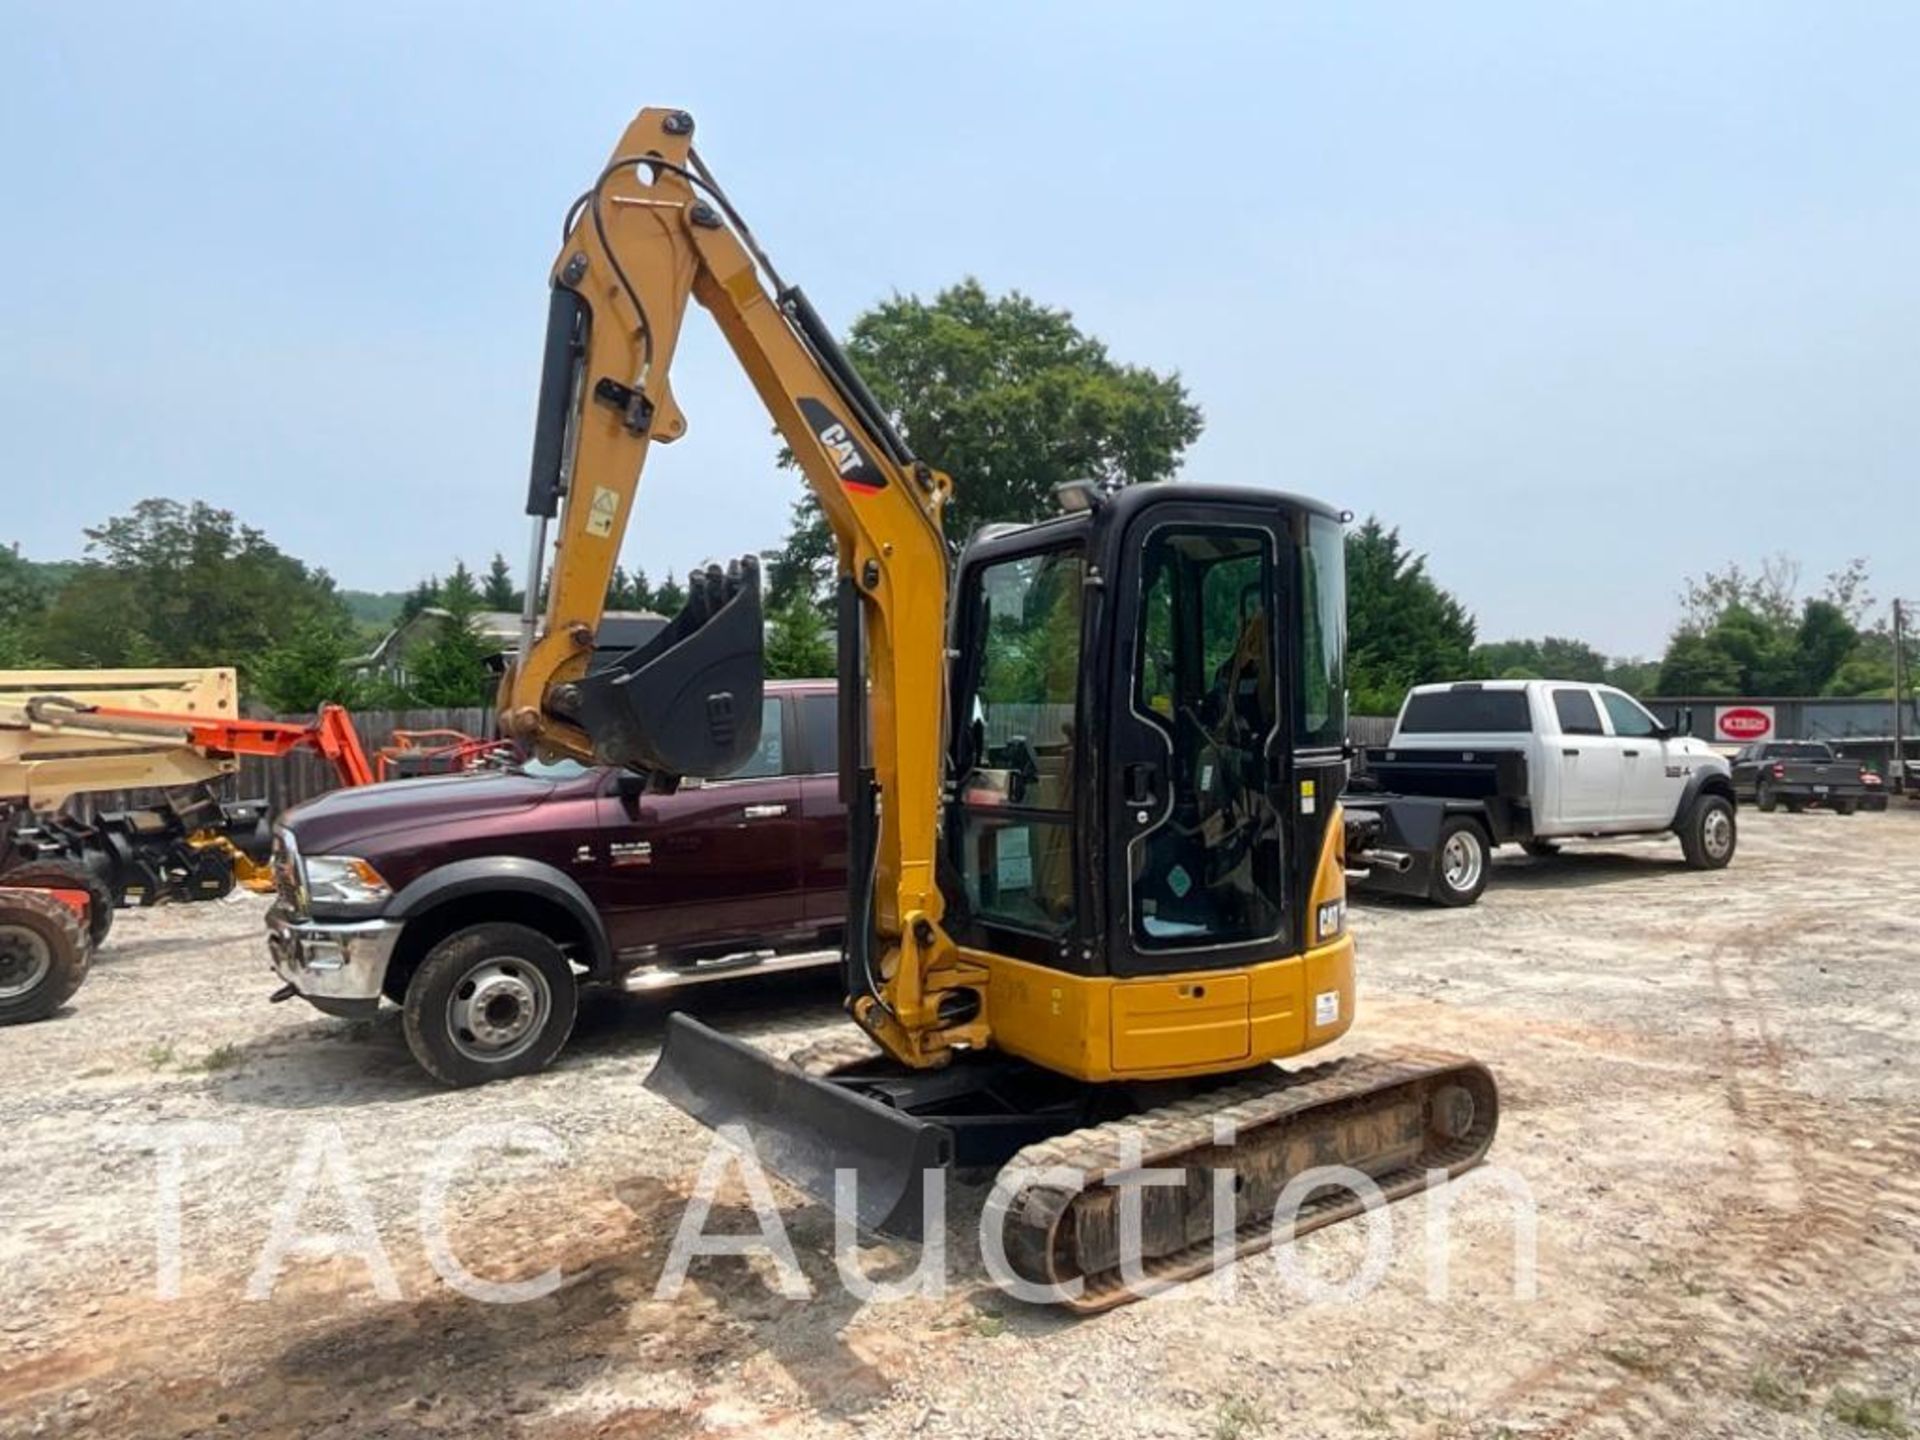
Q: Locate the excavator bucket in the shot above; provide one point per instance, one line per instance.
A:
(688, 701)
(805, 1129)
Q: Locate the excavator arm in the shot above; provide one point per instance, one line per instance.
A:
(653, 231)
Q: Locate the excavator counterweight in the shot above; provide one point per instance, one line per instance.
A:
(1091, 767)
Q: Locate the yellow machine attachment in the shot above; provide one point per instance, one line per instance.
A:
(1091, 770)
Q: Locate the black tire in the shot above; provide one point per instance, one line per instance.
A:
(1708, 833)
(489, 1002)
(1540, 849)
(44, 955)
(1794, 807)
(1845, 807)
(1764, 798)
(52, 874)
(1461, 860)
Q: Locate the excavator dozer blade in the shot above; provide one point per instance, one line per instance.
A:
(803, 1128)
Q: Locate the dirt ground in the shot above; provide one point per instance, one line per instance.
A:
(1708, 1085)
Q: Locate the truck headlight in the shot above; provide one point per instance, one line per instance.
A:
(1332, 919)
(344, 880)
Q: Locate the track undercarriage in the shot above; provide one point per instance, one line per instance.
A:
(1111, 1192)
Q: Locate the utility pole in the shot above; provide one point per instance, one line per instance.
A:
(1899, 716)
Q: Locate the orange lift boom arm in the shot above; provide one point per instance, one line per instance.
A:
(331, 734)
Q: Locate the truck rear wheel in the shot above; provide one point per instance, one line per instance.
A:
(1707, 833)
(44, 955)
(1764, 798)
(1460, 863)
(51, 874)
(490, 1001)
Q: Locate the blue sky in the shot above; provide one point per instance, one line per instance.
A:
(1583, 297)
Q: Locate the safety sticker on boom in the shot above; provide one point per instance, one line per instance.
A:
(856, 467)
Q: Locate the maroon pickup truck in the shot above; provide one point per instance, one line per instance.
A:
(480, 904)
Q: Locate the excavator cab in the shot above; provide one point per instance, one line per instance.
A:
(1131, 797)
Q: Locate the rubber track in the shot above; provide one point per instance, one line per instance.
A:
(1160, 1137)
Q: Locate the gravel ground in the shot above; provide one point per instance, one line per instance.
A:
(1708, 1088)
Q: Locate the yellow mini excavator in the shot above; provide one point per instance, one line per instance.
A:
(1091, 769)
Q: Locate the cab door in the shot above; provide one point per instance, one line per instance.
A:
(1197, 774)
(1649, 794)
(713, 866)
(1588, 760)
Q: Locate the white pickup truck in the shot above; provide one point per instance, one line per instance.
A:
(1482, 763)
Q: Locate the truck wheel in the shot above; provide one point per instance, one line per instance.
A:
(1708, 834)
(489, 1001)
(44, 955)
(1459, 863)
(51, 874)
(1845, 807)
(1540, 849)
(1764, 798)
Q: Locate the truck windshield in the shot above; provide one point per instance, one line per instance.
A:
(1466, 712)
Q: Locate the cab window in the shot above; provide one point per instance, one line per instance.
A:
(1016, 792)
(1577, 713)
(820, 733)
(1629, 720)
(770, 758)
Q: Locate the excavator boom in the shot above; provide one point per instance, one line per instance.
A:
(653, 232)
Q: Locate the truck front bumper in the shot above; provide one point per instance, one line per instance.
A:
(339, 966)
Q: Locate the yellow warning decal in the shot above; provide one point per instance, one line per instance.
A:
(600, 515)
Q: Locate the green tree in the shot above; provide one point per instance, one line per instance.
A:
(1011, 398)
(1633, 675)
(1402, 628)
(670, 598)
(310, 668)
(1553, 658)
(451, 668)
(1822, 643)
(423, 596)
(24, 592)
(639, 592)
(182, 584)
(805, 564)
(1749, 633)
(798, 645)
(496, 591)
(1695, 666)
(460, 592)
